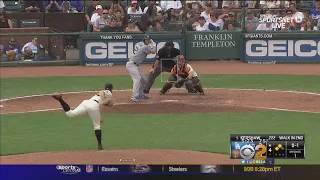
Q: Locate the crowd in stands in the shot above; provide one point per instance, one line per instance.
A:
(178, 15)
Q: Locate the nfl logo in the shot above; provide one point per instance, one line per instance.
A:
(89, 168)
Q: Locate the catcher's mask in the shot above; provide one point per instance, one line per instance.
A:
(181, 61)
(108, 86)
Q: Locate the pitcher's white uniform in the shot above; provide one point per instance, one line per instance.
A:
(139, 79)
(92, 108)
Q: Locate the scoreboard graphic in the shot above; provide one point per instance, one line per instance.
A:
(262, 147)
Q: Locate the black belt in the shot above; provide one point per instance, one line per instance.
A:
(96, 101)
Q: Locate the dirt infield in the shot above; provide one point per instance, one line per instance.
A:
(214, 100)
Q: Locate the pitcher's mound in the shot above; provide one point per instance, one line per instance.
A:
(139, 156)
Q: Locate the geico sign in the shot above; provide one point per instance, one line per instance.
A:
(116, 50)
(283, 48)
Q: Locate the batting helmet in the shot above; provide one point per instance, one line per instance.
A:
(146, 37)
(108, 86)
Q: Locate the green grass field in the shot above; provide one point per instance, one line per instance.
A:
(49, 131)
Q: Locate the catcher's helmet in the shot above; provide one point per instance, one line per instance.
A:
(108, 86)
(169, 43)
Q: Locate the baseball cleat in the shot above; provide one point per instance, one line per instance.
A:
(193, 91)
(134, 99)
(100, 147)
(143, 97)
(202, 93)
(57, 96)
(145, 92)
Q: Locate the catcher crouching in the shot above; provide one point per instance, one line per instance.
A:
(183, 74)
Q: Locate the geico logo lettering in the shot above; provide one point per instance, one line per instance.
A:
(115, 50)
(282, 48)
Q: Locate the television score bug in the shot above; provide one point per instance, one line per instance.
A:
(259, 148)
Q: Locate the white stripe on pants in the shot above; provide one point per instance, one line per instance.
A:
(138, 78)
(89, 107)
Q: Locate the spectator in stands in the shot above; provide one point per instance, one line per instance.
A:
(202, 26)
(95, 16)
(206, 12)
(315, 12)
(225, 13)
(271, 3)
(27, 54)
(265, 27)
(172, 16)
(52, 5)
(119, 18)
(66, 6)
(103, 21)
(144, 23)
(2, 6)
(214, 23)
(158, 26)
(33, 6)
(231, 19)
(195, 5)
(134, 8)
(171, 4)
(251, 22)
(132, 27)
(112, 27)
(162, 20)
(5, 22)
(297, 16)
(152, 3)
(193, 22)
(230, 27)
(248, 3)
(186, 12)
(231, 3)
(13, 51)
(286, 4)
(76, 5)
(152, 13)
(33, 46)
(90, 10)
(263, 11)
(3, 56)
(115, 7)
(309, 25)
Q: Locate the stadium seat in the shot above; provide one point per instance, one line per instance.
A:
(15, 6)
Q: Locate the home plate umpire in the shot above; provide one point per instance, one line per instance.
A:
(166, 55)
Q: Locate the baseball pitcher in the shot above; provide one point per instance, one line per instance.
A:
(182, 74)
(168, 51)
(91, 107)
(142, 50)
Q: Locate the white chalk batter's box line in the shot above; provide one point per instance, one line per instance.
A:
(126, 90)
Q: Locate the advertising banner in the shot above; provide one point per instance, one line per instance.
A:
(273, 50)
(109, 50)
(213, 45)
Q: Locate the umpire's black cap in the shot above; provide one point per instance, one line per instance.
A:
(169, 43)
(108, 86)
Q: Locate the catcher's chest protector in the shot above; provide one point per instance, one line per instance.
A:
(181, 72)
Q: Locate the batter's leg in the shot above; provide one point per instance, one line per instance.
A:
(143, 82)
(168, 84)
(136, 78)
(94, 113)
(151, 78)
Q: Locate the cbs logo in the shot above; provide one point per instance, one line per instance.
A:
(248, 152)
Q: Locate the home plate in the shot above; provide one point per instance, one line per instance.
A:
(169, 100)
(1, 106)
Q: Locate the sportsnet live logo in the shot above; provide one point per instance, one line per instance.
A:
(279, 22)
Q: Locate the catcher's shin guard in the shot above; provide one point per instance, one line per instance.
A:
(198, 87)
(166, 87)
